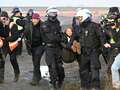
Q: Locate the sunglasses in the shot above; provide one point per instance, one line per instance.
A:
(4, 18)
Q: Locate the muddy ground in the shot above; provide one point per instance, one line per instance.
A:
(72, 81)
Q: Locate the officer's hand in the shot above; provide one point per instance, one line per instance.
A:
(107, 45)
(19, 39)
(73, 48)
(11, 25)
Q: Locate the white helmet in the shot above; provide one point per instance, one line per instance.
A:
(84, 13)
(52, 10)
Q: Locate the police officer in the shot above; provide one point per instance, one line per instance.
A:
(4, 28)
(51, 33)
(36, 47)
(16, 18)
(89, 38)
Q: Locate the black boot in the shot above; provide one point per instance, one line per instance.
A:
(2, 71)
(16, 78)
(52, 87)
(1, 81)
(34, 82)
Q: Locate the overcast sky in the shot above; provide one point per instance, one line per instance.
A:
(60, 3)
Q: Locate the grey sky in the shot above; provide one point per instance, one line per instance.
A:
(60, 3)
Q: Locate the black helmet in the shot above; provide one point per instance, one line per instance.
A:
(113, 10)
(16, 10)
(4, 14)
(30, 12)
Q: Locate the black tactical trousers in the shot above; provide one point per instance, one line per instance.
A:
(54, 62)
(3, 54)
(13, 60)
(37, 53)
(89, 70)
(2, 68)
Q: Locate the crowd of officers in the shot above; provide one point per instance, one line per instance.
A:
(84, 42)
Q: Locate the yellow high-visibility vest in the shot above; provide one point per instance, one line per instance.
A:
(18, 26)
(112, 41)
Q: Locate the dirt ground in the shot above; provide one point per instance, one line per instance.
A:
(72, 81)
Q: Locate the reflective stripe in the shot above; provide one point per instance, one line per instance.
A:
(18, 26)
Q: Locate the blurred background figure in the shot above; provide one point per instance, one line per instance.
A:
(28, 21)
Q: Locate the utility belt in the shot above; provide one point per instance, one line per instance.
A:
(88, 51)
(51, 45)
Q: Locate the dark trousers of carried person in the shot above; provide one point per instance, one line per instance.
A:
(55, 65)
(89, 69)
(37, 53)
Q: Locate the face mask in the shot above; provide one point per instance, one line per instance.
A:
(51, 18)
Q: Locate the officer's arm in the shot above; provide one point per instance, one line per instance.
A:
(44, 28)
(101, 34)
(20, 22)
(117, 44)
(14, 34)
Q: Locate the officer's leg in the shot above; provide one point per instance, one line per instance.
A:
(13, 60)
(36, 57)
(95, 79)
(114, 53)
(60, 71)
(19, 48)
(50, 60)
(85, 73)
(85, 77)
(2, 68)
(78, 57)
